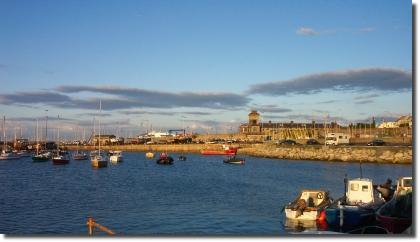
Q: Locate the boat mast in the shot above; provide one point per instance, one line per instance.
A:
(58, 137)
(46, 129)
(99, 124)
(4, 133)
(37, 138)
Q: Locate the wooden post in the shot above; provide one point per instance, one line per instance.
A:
(91, 223)
(90, 226)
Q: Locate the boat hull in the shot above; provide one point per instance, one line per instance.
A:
(9, 157)
(115, 159)
(238, 162)
(349, 216)
(99, 163)
(40, 158)
(306, 215)
(165, 161)
(393, 224)
(60, 161)
(80, 157)
(214, 152)
(396, 215)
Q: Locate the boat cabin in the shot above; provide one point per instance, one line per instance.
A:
(359, 190)
(404, 185)
(313, 198)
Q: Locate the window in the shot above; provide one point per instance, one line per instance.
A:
(365, 188)
(354, 187)
(340, 137)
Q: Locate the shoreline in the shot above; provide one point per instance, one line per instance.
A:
(364, 154)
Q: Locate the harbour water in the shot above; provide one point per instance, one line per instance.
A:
(201, 196)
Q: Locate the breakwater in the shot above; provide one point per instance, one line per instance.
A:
(379, 154)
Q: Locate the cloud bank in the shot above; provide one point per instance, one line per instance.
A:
(363, 80)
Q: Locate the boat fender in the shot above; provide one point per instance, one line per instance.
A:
(322, 216)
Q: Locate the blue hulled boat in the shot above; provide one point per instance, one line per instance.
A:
(357, 207)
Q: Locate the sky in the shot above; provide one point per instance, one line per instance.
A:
(202, 65)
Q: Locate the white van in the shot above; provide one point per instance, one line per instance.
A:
(337, 139)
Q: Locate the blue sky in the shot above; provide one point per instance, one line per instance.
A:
(205, 64)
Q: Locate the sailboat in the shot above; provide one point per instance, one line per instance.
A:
(98, 161)
(39, 157)
(6, 153)
(62, 157)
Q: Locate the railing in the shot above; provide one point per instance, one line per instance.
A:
(91, 224)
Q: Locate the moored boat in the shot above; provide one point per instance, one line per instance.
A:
(62, 158)
(357, 207)
(115, 156)
(227, 150)
(165, 159)
(309, 205)
(396, 214)
(6, 153)
(80, 156)
(41, 157)
(99, 162)
(234, 160)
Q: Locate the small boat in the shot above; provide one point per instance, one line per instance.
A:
(115, 156)
(80, 156)
(357, 207)
(99, 162)
(396, 214)
(23, 153)
(150, 155)
(165, 159)
(62, 158)
(41, 157)
(182, 157)
(8, 155)
(309, 205)
(234, 160)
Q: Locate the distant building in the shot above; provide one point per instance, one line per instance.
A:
(403, 121)
(105, 139)
(257, 130)
(388, 125)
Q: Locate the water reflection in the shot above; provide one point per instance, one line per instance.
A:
(294, 225)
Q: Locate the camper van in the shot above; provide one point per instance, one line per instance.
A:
(337, 139)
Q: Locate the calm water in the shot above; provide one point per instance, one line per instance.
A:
(200, 196)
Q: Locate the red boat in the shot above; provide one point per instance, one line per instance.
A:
(396, 215)
(227, 151)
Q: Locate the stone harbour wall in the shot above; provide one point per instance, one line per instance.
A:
(378, 154)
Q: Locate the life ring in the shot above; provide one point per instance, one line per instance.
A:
(320, 195)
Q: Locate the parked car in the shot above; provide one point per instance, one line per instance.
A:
(312, 142)
(287, 142)
(376, 142)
